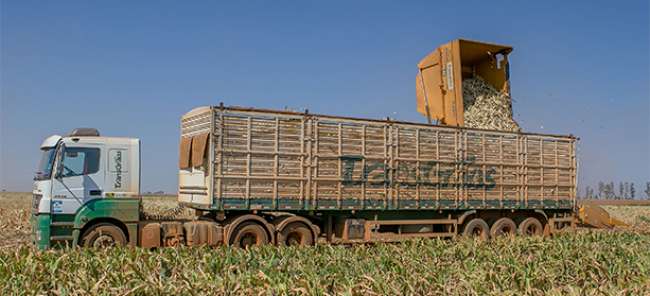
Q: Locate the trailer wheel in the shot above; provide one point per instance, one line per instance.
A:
(531, 227)
(249, 234)
(103, 235)
(503, 226)
(296, 234)
(477, 228)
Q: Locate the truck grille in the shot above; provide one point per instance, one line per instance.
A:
(36, 200)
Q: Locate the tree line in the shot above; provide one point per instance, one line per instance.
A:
(608, 190)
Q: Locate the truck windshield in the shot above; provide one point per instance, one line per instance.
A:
(45, 166)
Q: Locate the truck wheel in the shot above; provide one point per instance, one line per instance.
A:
(249, 234)
(503, 226)
(531, 227)
(103, 235)
(296, 234)
(477, 228)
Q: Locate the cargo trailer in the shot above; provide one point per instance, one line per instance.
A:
(388, 178)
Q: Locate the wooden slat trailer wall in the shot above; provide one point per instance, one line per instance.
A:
(286, 161)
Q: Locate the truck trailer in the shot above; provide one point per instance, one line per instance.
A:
(256, 177)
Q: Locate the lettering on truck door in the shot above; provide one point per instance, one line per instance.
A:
(118, 170)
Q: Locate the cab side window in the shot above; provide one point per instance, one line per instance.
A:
(80, 161)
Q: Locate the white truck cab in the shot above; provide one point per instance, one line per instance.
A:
(82, 167)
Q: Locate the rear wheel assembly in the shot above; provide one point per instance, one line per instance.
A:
(249, 234)
(477, 228)
(531, 227)
(296, 234)
(503, 226)
(103, 235)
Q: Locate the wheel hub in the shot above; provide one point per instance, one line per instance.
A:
(531, 229)
(294, 239)
(247, 240)
(104, 240)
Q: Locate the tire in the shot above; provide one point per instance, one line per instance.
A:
(531, 227)
(503, 226)
(477, 228)
(103, 235)
(249, 234)
(296, 234)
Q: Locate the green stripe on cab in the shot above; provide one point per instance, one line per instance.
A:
(125, 210)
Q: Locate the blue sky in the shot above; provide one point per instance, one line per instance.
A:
(132, 68)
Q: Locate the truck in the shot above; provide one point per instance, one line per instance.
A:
(254, 176)
(258, 177)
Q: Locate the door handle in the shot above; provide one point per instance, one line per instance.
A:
(95, 192)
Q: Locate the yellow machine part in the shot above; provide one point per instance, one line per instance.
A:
(439, 82)
(595, 216)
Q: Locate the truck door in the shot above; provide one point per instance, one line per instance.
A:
(79, 178)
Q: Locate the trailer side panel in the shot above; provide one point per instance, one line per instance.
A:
(270, 160)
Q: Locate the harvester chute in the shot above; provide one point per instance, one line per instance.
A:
(439, 82)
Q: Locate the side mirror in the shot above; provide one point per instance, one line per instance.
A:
(58, 173)
(58, 170)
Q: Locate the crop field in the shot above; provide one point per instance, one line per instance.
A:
(582, 262)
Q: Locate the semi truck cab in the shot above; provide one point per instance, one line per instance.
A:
(85, 181)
